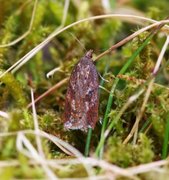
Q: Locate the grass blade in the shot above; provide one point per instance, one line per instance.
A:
(110, 99)
(166, 138)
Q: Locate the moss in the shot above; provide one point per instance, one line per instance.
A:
(127, 154)
(7, 148)
(64, 51)
(117, 153)
(74, 171)
(15, 89)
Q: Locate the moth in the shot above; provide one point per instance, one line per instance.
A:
(82, 97)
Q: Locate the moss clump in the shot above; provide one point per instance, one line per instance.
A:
(63, 52)
(74, 171)
(14, 88)
(127, 154)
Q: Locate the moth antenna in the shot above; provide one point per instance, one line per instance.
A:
(78, 41)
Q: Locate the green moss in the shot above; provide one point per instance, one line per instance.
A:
(117, 153)
(7, 173)
(127, 154)
(64, 51)
(7, 148)
(143, 64)
(72, 171)
(15, 89)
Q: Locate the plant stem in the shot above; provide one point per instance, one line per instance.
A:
(145, 125)
(110, 100)
(166, 138)
(105, 71)
(89, 135)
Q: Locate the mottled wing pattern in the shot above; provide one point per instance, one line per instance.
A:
(82, 99)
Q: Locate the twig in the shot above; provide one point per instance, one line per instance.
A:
(147, 167)
(22, 143)
(58, 142)
(49, 91)
(4, 115)
(36, 126)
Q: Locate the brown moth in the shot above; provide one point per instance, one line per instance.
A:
(82, 97)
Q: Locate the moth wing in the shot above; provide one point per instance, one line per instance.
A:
(92, 97)
(82, 99)
(73, 101)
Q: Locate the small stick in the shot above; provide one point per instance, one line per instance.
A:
(49, 91)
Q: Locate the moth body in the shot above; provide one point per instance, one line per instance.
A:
(82, 98)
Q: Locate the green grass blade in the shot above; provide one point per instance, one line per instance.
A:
(166, 138)
(145, 125)
(110, 99)
(87, 147)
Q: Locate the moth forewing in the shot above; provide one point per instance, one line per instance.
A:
(82, 98)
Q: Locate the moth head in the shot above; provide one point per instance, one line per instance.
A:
(89, 54)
